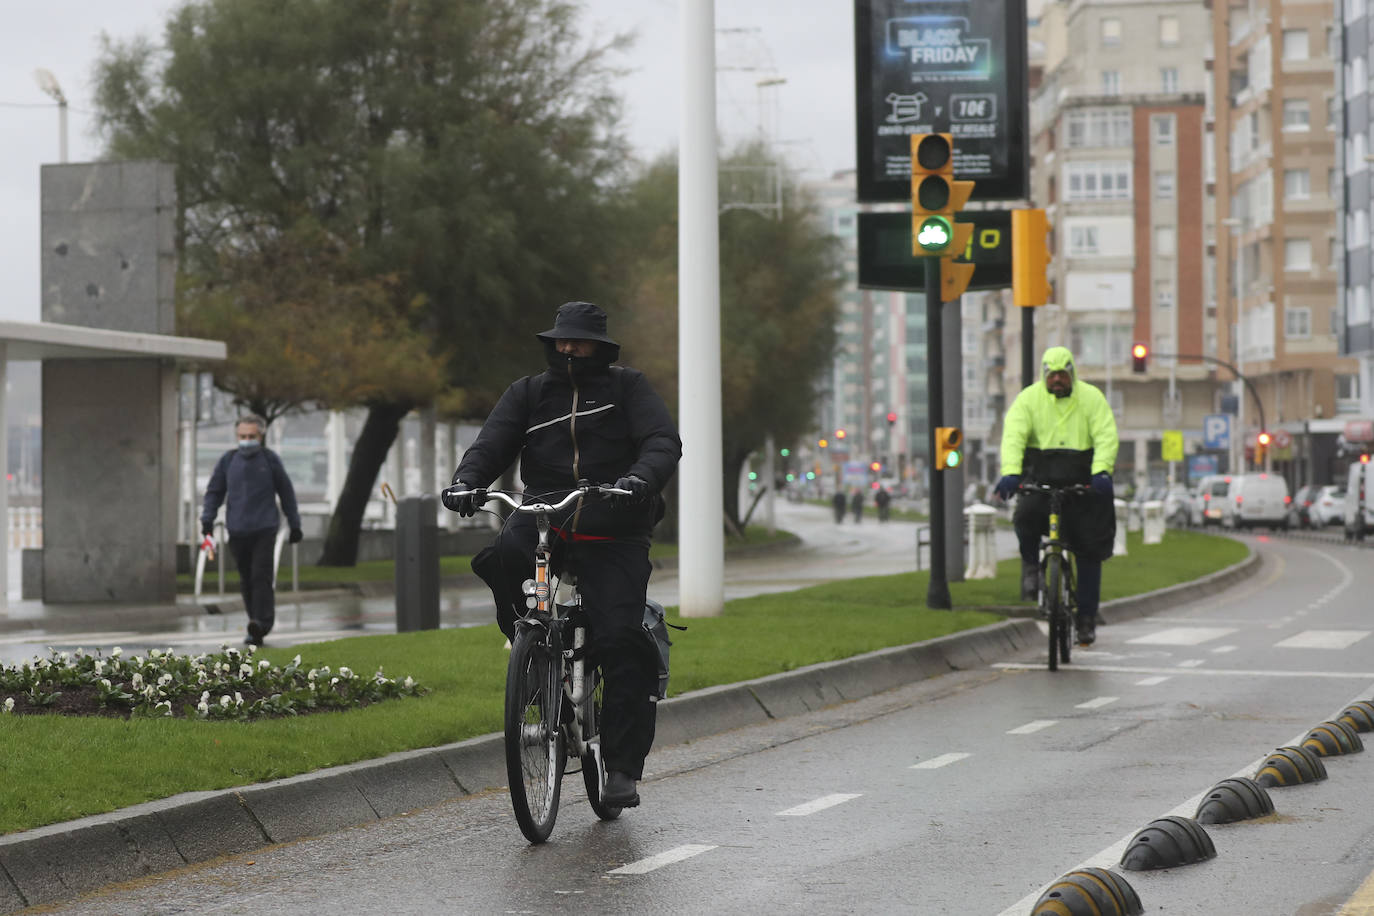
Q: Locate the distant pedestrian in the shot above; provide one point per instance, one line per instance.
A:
(857, 505)
(253, 478)
(838, 502)
(882, 499)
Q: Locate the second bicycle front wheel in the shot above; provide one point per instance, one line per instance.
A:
(535, 749)
(1054, 608)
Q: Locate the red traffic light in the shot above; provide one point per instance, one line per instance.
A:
(839, 434)
(1364, 459)
(1140, 351)
(1264, 438)
(892, 416)
(875, 466)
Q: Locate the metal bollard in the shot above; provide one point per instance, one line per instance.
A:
(982, 555)
(417, 564)
(1119, 546)
(1153, 522)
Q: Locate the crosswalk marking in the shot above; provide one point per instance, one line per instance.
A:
(1151, 681)
(1191, 662)
(1030, 727)
(1322, 639)
(1222, 650)
(819, 804)
(1097, 702)
(935, 763)
(676, 854)
(1182, 636)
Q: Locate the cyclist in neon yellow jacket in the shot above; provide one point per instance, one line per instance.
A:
(1061, 431)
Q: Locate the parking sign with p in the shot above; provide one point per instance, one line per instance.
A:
(1216, 431)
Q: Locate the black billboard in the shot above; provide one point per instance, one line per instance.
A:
(886, 261)
(942, 66)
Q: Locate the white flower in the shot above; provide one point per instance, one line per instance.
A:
(154, 653)
(64, 656)
(105, 682)
(99, 667)
(264, 665)
(224, 701)
(333, 681)
(245, 670)
(205, 696)
(409, 682)
(136, 681)
(345, 673)
(203, 708)
(314, 673)
(296, 662)
(150, 692)
(116, 652)
(164, 680)
(9, 704)
(165, 706)
(80, 652)
(238, 698)
(200, 676)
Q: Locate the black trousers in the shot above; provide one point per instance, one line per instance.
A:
(1088, 524)
(613, 577)
(253, 554)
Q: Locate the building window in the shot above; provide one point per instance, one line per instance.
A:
(1347, 388)
(1295, 114)
(1164, 294)
(1164, 241)
(1111, 82)
(1295, 44)
(1168, 80)
(1297, 323)
(1099, 127)
(1111, 32)
(1168, 30)
(1297, 184)
(1297, 254)
(1098, 180)
(1333, 183)
(1164, 185)
(1162, 126)
(1332, 109)
(1083, 240)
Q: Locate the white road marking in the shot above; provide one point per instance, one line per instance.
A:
(1191, 662)
(1097, 703)
(1216, 672)
(1222, 650)
(1151, 681)
(676, 854)
(1322, 639)
(819, 804)
(1182, 636)
(1030, 727)
(935, 763)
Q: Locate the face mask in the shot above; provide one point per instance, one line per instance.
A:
(249, 445)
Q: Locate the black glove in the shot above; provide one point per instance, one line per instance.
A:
(465, 505)
(1006, 487)
(207, 530)
(1102, 483)
(296, 535)
(638, 487)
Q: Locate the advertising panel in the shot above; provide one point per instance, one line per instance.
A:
(942, 66)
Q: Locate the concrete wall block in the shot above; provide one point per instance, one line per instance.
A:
(706, 712)
(216, 826)
(396, 785)
(477, 764)
(65, 864)
(308, 806)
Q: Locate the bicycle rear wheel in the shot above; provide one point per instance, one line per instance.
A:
(1053, 596)
(591, 769)
(535, 749)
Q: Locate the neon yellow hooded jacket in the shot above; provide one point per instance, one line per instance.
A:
(1081, 422)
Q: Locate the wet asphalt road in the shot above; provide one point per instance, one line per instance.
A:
(961, 794)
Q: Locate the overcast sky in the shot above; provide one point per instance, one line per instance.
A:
(807, 43)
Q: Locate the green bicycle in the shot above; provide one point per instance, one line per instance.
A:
(1058, 591)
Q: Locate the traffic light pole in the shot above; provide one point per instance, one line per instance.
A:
(1250, 386)
(937, 593)
(1027, 346)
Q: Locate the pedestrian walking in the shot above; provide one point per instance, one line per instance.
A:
(882, 499)
(838, 503)
(857, 505)
(252, 479)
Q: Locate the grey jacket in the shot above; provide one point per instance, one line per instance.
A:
(252, 482)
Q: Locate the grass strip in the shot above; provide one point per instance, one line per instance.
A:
(57, 768)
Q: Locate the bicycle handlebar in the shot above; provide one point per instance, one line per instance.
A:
(1050, 488)
(513, 500)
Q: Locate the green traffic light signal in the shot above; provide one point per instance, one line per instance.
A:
(785, 452)
(935, 233)
(952, 459)
(753, 475)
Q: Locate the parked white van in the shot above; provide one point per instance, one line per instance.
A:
(1359, 516)
(1256, 499)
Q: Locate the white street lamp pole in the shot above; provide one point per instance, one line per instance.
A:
(49, 85)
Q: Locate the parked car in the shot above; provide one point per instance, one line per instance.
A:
(1257, 498)
(1328, 508)
(1357, 516)
(1299, 511)
(1205, 508)
(1176, 505)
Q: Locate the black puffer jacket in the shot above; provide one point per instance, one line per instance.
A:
(598, 423)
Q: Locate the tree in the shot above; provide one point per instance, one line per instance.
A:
(780, 282)
(445, 163)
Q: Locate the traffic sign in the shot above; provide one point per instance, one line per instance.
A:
(1282, 438)
(1216, 431)
(1171, 448)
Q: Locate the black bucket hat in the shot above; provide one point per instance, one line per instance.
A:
(578, 321)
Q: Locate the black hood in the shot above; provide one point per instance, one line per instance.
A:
(581, 366)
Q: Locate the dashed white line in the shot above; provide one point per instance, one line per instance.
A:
(1222, 650)
(1181, 636)
(1097, 703)
(1030, 727)
(1209, 672)
(943, 760)
(1151, 681)
(819, 804)
(1322, 639)
(676, 854)
(1191, 662)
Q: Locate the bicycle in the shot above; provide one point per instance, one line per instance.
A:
(553, 701)
(1058, 591)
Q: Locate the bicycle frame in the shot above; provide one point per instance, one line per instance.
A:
(1058, 593)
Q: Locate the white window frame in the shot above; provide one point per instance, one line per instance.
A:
(1295, 44)
(1168, 80)
(1111, 82)
(1170, 31)
(1109, 31)
(1297, 323)
(1297, 254)
(1165, 186)
(1083, 240)
(1162, 129)
(1297, 115)
(1165, 242)
(1097, 180)
(1164, 294)
(1090, 128)
(1297, 184)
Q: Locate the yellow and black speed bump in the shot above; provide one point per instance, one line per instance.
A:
(1235, 799)
(1359, 716)
(1290, 765)
(1167, 842)
(1332, 739)
(1089, 892)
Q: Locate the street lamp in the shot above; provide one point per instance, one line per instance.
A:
(49, 85)
(1237, 227)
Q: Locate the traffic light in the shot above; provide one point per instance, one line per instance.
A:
(891, 418)
(822, 443)
(784, 452)
(935, 198)
(839, 434)
(1140, 354)
(875, 467)
(1030, 257)
(1262, 442)
(949, 441)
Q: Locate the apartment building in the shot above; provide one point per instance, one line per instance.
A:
(1277, 119)
(1119, 153)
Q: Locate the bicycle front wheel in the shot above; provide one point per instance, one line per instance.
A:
(591, 770)
(1053, 597)
(535, 749)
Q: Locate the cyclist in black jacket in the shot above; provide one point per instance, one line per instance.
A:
(584, 419)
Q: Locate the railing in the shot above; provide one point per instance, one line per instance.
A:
(26, 527)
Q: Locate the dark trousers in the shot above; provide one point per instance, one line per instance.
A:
(1089, 531)
(613, 577)
(253, 554)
